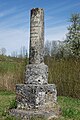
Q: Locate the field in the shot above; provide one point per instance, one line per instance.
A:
(65, 73)
(11, 72)
(70, 107)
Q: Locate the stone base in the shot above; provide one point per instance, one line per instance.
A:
(27, 115)
(36, 101)
(39, 97)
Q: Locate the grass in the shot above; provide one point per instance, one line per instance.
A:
(5, 100)
(65, 73)
(70, 107)
(11, 72)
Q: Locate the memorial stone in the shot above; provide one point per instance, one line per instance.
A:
(36, 96)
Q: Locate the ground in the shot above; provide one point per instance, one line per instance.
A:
(70, 107)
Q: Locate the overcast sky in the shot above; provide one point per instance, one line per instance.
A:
(15, 20)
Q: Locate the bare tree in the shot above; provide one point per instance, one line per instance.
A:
(2, 51)
(47, 48)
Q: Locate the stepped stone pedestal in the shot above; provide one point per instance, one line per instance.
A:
(36, 96)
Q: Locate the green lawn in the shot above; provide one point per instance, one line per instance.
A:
(5, 101)
(70, 107)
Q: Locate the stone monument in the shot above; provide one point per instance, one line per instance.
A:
(36, 96)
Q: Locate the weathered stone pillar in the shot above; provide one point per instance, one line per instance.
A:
(36, 36)
(36, 71)
(36, 96)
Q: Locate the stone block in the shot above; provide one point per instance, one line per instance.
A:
(41, 97)
(28, 115)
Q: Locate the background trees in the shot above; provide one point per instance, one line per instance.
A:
(2, 51)
(70, 47)
(73, 36)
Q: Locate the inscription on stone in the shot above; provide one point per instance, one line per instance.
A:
(36, 36)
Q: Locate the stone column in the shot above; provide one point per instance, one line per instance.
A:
(36, 96)
(36, 36)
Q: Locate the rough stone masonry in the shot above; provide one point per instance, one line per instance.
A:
(36, 96)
